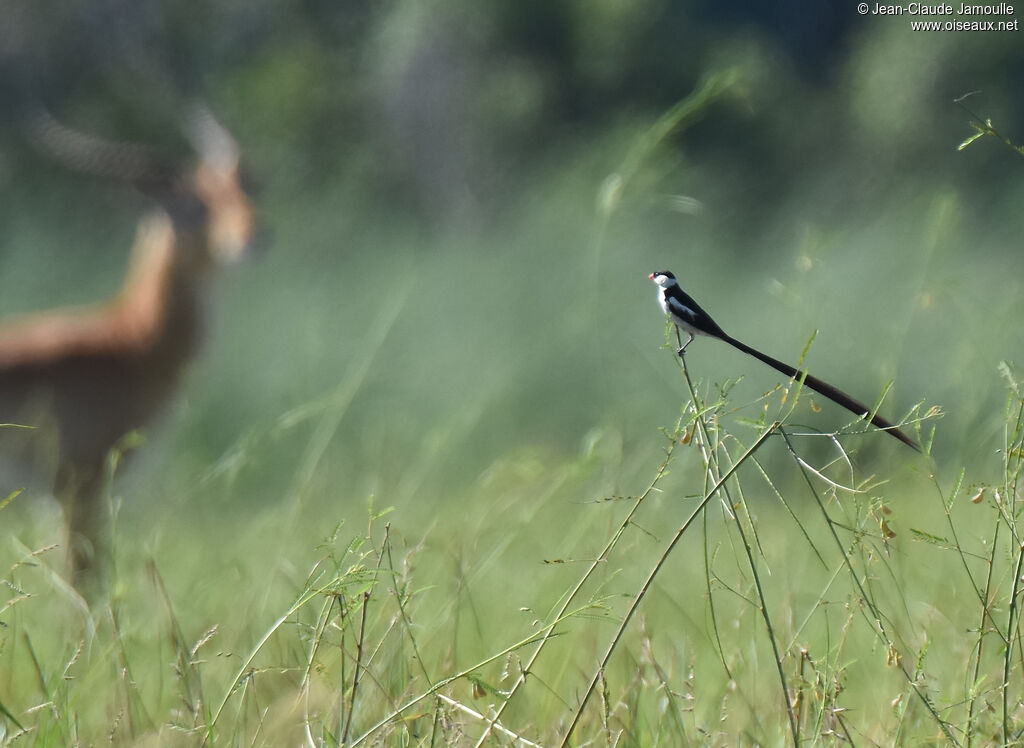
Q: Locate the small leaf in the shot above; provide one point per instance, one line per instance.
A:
(886, 532)
(893, 659)
(970, 140)
(10, 497)
(927, 537)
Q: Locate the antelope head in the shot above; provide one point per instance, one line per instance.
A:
(230, 225)
(208, 205)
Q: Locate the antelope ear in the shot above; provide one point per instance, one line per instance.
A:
(211, 140)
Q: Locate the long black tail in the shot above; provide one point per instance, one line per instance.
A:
(824, 388)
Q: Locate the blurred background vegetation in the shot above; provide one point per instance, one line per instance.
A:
(450, 156)
(464, 211)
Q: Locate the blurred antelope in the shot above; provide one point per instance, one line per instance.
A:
(86, 377)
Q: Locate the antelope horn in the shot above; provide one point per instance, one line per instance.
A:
(90, 154)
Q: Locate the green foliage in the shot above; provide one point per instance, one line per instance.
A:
(677, 634)
(454, 320)
(985, 129)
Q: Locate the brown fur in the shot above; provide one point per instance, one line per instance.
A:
(88, 376)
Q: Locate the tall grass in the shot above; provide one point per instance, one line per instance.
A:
(737, 577)
(818, 621)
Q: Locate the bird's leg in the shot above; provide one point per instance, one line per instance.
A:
(682, 347)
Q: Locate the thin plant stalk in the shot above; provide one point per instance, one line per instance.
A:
(594, 565)
(713, 469)
(638, 598)
(879, 619)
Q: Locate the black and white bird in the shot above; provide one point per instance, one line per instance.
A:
(687, 315)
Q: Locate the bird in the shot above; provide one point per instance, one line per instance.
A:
(688, 316)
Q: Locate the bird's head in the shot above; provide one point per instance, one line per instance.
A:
(663, 278)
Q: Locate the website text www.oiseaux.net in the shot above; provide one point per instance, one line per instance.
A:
(946, 17)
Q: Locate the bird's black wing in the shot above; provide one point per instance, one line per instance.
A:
(682, 305)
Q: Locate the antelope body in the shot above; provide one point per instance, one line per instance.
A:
(86, 377)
